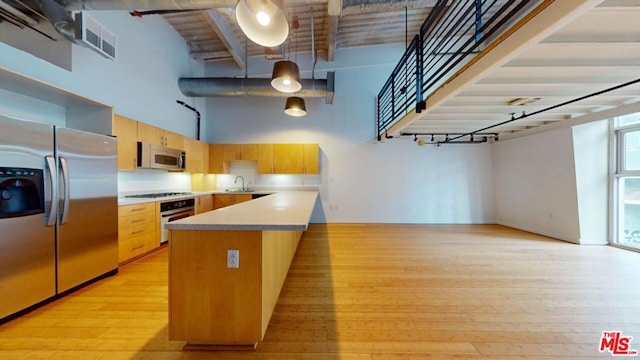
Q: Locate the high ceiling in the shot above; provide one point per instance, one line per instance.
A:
(213, 34)
(570, 49)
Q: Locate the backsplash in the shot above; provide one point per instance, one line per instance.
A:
(253, 180)
(149, 181)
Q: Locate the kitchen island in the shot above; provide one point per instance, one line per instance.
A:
(227, 266)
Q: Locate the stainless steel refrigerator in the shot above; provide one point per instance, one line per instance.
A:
(58, 211)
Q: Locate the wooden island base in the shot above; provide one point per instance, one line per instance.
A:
(214, 307)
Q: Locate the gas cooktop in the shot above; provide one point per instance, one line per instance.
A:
(155, 195)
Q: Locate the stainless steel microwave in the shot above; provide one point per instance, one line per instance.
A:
(151, 156)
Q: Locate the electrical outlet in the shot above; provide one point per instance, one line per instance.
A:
(233, 259)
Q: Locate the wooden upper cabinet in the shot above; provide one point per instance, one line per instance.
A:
(249, 152)
(193, 156)
(155, 135)
(150, 134)
(216, 159)
(265, 158)
(288, 159)
(204, 150)
(311, 154)
(125, 130)
(231, 152)
(236, 152)
(271, 158)
(173, 140)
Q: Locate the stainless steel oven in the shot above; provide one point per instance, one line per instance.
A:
(174, 210)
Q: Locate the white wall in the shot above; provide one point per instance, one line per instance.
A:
(141, 83)
(535, 184)
(361, 180)
(591, 153)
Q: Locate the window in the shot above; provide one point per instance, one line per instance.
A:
(627, 181)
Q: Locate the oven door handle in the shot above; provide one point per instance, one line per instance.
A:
(177, 211)
(179, 216)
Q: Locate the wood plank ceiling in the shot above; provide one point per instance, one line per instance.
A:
(595, 46)
(213, 34)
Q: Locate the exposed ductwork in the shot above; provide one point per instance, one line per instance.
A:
(59, 18)
(212, 87)
(147, 4)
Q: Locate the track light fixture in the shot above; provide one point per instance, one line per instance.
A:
(453, 138)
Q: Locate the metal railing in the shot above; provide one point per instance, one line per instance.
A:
(452, 34)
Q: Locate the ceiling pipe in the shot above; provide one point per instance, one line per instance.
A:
(213, 87)
(147, 5)
(60, 18)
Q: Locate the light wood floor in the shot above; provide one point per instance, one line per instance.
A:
(375, 292)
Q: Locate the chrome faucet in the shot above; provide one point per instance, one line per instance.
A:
(236, 181)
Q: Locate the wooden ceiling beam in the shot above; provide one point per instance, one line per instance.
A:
(359, 7)
(222, 25)
(332, 37)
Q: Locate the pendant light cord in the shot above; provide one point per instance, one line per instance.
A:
(246, 58)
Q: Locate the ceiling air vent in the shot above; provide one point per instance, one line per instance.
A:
(90, 33)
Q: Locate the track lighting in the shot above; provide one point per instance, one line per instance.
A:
(415, 137)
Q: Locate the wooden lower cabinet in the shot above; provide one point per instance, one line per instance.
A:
(204, 203)
(137, 230)
(222, 200)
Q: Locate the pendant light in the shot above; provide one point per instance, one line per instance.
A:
(263, 21)
(286, 77)
(286, 74)
(295, 106)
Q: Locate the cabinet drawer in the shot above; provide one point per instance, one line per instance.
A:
(131, 247)
(136, 230)
(136, 209)
(136, 219)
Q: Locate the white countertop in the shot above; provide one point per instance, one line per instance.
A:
(122, 201)
(282, 210)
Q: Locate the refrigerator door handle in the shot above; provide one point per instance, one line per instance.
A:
(53, 211)
(67, 190)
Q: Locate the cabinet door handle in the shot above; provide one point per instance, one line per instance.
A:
(137, 232)
(137, 209)
(138, 247)
(137, 221)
